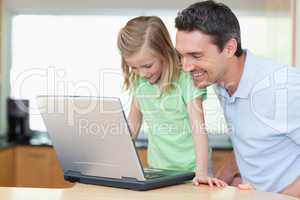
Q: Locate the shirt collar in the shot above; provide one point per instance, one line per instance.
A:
(246, 82)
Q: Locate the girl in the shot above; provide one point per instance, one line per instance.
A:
(165, 99)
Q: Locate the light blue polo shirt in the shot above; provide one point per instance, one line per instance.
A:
(263, 116)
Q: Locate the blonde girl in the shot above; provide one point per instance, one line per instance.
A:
(164, 98)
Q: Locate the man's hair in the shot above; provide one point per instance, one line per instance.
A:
(213, 19)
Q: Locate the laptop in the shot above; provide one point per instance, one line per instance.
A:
(93, 143)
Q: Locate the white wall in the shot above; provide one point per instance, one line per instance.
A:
(63, 6)
(5, 63)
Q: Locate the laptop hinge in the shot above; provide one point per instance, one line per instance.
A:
(72, 176)
(72, 173)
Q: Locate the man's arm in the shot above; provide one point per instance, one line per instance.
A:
(229, 172)
(293, 189)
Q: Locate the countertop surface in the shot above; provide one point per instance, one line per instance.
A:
(184, 191)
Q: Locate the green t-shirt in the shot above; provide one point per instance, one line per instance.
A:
(170, 142)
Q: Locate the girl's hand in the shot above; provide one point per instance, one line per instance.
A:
(198, 179)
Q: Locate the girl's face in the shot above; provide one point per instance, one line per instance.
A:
(144, 63)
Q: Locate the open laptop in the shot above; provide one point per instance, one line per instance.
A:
(94, 145)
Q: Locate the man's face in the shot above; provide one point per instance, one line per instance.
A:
(200, 57)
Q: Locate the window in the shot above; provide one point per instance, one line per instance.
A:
(65, 55)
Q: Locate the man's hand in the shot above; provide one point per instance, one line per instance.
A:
(245, 186)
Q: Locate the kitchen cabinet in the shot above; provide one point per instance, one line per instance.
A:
(219, 158)
(142, 152)
(38, 167)
(7, 167)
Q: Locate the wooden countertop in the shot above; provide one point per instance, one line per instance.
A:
(180, 192)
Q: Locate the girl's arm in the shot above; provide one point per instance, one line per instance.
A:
(135, 118)
(200, 137)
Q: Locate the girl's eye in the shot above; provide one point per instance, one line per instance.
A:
(197, 56)
(147, 66)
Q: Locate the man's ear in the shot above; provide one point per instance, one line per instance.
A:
(230, 48)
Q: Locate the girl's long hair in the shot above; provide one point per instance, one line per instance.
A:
(151, 33)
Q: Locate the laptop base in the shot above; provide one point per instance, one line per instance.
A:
(131, 183)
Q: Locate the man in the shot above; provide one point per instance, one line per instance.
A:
(260, 98)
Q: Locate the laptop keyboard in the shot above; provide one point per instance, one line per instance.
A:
(153, 173)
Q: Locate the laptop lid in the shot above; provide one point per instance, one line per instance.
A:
(91, 136)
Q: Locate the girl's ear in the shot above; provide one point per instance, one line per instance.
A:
(230, 48)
